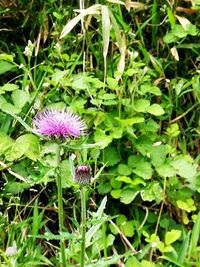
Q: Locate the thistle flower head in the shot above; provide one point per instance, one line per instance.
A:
(82, 175)
(60, 124)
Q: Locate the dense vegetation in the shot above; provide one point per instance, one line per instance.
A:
(131, 71)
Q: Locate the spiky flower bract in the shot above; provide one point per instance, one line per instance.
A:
(82, 175)
(59, 124)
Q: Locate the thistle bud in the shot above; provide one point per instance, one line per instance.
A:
(82, 175)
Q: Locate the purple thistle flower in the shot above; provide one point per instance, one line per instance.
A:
(82, 174)
(61, 124)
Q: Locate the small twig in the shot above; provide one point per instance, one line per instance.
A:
(13, 173)
(124, 237)
(182, 115)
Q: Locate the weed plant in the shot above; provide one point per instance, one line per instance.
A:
(131, 71)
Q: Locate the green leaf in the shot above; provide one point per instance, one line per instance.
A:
(148, 88)
(111, 156)
(127, 228)
(5, 143)
(128, 195)
(141, 105)
(100, 136)
(172, 236)
(156, 110)
(184, 168)
(144, 170)
(166, 170)
(10, 108)
(152, 192)
(27, 145)
(104, 188)
(116, 193)
(134, 160)
(112, 83)
(16, 188)
(20, 98)
(187, 205)
(124, 169)
(6, 66)
(124, 179)
(130, 122)
(158, 155)
(32, 143)
(8, 87)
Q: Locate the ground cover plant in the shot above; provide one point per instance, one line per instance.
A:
(112, 176)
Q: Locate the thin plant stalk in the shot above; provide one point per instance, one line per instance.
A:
(83, 225)
(60, 205)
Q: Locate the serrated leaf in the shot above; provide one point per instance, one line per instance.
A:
(156, 110)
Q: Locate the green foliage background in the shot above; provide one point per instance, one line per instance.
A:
(131, 70)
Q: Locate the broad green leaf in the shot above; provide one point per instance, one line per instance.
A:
(133, 262)
(187, 205)
(6, 66)
(128, 195)
(16, 187)
(141, 105)
(104, 188)
(20, 98)
(184, 168)
(134, 160)
(170, 38)
(27, 145)
(124, 179)
(10, 108)
(5, 143)
(6, 57)
(8, 87)
(124, 169)
(146, 263)
(152, 192)
(148, 88)
(158, 155)
(156, 110)
(172, 236)
(116, 193)
(127, 228)
(112, 83)
(166, 170)
(32, 142)
(144, 170)
(107, 96)
(111, 156)
(100, 136)
(130, 122)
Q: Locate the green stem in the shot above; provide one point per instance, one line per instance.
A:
(83, 225)
(60, 205)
